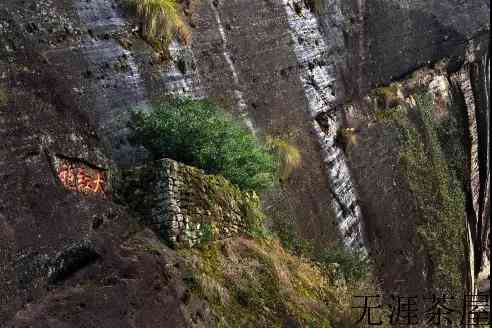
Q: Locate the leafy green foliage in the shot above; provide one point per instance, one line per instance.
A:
(197, 133)
(254, 217)
(160, 21)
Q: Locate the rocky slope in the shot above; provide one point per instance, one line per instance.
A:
(71, 71)
(136, 281)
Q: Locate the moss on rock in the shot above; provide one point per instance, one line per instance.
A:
(186, 206)
(431, 166)
(256, 283)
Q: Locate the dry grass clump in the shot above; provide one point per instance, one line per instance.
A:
(314, 5)
(347, 137)
(257, 283)
(160, 21)
(289, 156)
(4, 97)
(389, 96)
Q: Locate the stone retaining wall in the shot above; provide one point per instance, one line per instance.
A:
(186, 206)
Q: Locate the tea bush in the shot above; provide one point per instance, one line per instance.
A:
(197, 133)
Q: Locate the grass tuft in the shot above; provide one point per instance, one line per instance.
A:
(346, 137)
(388, 96)
(289, 156)
(257, 283)
(314, 5)
(4, 97)
(160, 21)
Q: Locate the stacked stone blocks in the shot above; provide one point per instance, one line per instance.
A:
(186, 206)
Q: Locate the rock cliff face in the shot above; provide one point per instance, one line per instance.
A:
(71, 71)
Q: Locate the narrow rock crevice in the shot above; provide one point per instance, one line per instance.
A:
(70, 260)
(241, 105)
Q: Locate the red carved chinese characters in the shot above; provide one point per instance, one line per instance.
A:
(79, 177)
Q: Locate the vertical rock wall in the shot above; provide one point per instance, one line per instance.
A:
(117, 73)
(397, 153)
(388, 39)
(71, 71)
(472, 81)
(247, 63)
(317, 73)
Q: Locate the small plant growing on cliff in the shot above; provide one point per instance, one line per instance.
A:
(388, 96)
(207, 232)
(197, 133)
(160, 21)
(314, 5)
(346, 137)
(4, 97)
(288, 156)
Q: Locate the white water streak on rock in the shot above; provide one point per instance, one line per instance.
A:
(178, 83)
(238, 94)
(318, 80)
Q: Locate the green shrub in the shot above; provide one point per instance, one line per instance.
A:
(351, 265)
(160, 21)
(290, 239)
(197, 133)
(253, 216)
